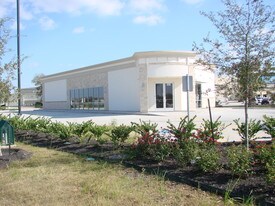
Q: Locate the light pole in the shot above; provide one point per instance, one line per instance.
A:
(18, 57)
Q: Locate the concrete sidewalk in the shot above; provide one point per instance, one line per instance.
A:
(227, 114)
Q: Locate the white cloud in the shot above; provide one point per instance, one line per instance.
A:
(47, 23)
(79, 30)
(147, 11)
(101, 7)
(147, 6)
(5, 7)
(25, 14)
(192, 1)
(148, 20)
(143, 11)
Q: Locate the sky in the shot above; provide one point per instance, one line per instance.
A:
(61, 35)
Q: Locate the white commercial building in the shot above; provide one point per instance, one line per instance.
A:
(144, 82)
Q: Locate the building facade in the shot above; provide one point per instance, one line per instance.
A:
(28, 98)
(144, 82)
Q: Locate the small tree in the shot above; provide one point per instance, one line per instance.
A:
(245, 51)
(38, 84)
(7, 70)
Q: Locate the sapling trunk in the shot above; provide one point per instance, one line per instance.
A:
(246, 123)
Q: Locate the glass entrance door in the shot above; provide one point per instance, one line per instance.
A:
(164, 96)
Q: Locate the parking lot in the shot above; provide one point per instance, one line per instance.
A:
(227, 114)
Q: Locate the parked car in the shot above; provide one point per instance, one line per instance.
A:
(265, 100)
(258, 100)
(261, 100)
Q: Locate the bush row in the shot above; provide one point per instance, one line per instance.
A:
(189, 145)
(185, 143)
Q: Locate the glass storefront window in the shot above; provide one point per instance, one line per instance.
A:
(87, 98)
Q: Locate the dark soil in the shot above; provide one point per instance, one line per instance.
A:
(9, 155)
(219, 182)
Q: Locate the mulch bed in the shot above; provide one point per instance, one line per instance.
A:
(11, 155)
(219, 182)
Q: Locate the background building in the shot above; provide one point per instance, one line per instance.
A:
(28, 98)
(144, 82)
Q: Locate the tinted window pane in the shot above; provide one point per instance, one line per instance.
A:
(87, 98)
(169, 95)
(159, 95)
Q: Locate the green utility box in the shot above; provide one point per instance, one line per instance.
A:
(6, 133)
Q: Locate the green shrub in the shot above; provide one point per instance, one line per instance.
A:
(16, 122)
(184, 130)
(144, 128)
(209, 158)
(253, 127)
(96, 132)
(151, 146)
(186, 151)
(239, 160)
(38, 105)
(267, 158)
(80, 129)
(270, 176)
(266, 153)
(30, 124)
(143, 147)
(161, 150)
(269, 125)
(60, 130)
(119, 134)
(210, 132)
(42, 124)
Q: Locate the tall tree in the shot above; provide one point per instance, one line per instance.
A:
(38, 84)
(7, 69)
(245, 51)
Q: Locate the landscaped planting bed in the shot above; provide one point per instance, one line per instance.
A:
(180, 153)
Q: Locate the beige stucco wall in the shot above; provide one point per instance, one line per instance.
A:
(179, 96)
(56, 105)
(207, 80)
(166, 70)
(143, 88)
(83, 80)
(88, 80)
(95, 77)
(123, 89)
(152, 68)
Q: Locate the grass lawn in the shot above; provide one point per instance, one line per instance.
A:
(51, 177)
